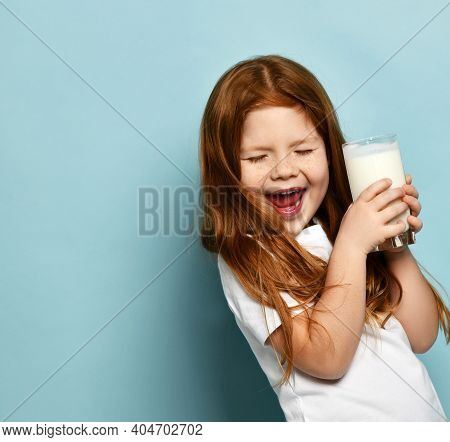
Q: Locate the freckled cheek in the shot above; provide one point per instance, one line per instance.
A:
(321, 180)
(254, 173)
(250, 176)
(318, 172)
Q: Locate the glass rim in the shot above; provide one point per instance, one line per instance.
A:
(372, 140)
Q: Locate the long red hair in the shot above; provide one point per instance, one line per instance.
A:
(230, 212)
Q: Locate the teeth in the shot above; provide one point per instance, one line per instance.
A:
(287, 193)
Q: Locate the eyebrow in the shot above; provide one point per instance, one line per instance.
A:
(294, 143)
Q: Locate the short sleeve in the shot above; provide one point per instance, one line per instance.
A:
(248, 312)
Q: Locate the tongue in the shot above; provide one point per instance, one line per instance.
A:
(285, 200)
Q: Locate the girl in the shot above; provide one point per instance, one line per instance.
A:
(293, 253)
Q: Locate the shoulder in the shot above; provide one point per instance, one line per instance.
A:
(237, 297)
(224, 270)
(230, 282)
(233, 290)
(315, 241)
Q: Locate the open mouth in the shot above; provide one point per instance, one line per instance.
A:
(287, 203)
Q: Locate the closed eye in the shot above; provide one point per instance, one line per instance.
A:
(256, 159)
(303, 152)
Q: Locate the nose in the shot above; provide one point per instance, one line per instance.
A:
(284, 168)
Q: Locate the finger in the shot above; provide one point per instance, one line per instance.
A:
(410, 190)
(393, 210)
(414, 205)
(387, 197)
(374, 189)
(415, 223)
(408, 179)
(395, 229)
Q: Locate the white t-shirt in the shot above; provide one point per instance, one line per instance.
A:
(385, 382)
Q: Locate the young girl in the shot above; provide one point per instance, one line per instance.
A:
(294, 253)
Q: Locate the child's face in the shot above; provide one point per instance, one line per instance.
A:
(270, 163)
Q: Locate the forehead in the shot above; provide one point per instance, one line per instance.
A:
(276, 124)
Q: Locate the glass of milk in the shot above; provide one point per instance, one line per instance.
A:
(372, 159)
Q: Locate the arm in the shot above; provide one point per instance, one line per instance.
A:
(312, 351)
(417, 310)
(342, 309)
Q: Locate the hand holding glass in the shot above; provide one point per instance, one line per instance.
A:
(369, 160)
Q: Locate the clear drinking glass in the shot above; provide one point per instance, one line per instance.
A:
(372, 159)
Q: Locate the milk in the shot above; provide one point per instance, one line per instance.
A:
(372, 159)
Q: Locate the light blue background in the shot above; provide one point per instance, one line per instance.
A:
(71, 166)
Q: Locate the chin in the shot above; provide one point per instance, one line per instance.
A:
(295, 226)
